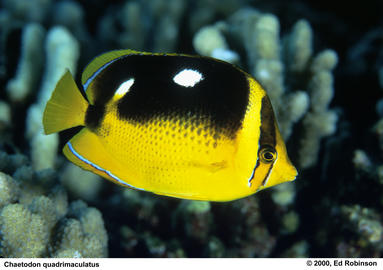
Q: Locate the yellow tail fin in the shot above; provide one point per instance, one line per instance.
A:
(66, 108)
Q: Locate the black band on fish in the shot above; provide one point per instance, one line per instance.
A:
(94, 116)
(267, 139)
(267, 134)
(159, 91)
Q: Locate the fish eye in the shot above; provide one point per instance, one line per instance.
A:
(267, 154)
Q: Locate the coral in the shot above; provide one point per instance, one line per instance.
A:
(23, 234)
(297, 250)
(284, 194)
(140, 206)
(161, 31)
(148, 244)
(36, 221)
(195, 228)
(5, 116)
(88, 188)
(205, 12)
(290, 222)
(62, 52)
(30, 64)
(366, 231)
(283, 198)
(133, 36)
(71, 15)
(378, 130)
(209, 41)
(361, 160)
(168, 26)
(320, 121)
(197, 219)
(9, 190)
(298, 47)
(29, 10)
(82, 231)
(68, 253)
(215, 248)
(242, 225)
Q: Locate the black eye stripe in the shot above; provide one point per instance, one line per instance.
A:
(267, 137)
(267, 132)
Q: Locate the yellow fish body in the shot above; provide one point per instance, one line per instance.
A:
(184, 126)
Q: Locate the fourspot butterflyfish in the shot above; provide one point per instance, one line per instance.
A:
(178, 125)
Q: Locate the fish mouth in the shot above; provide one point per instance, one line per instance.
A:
(290, 173)
(287, 174)
(291, 176)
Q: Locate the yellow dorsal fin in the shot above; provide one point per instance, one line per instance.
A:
(66, 108)
(101, 60)
(97, 64)
(94, 67)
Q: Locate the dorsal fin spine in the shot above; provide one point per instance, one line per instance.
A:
(90, 79)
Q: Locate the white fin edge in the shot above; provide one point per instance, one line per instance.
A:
(98, 71)
(74, 152)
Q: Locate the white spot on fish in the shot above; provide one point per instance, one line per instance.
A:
(124, 88)
(188, 77)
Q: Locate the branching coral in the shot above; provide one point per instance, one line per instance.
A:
(365, 229)
(28, 72)
(62, 52)
(87, 189)
(36, 221)
(207, 229)
(82, 231)
(23, 234)
(28, 10)
(209, 41)
(136, 35)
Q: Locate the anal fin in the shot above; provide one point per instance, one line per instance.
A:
(86, 151)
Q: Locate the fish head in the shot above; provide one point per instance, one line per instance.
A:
(276, 163)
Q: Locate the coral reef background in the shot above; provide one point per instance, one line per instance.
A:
(322, 65)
